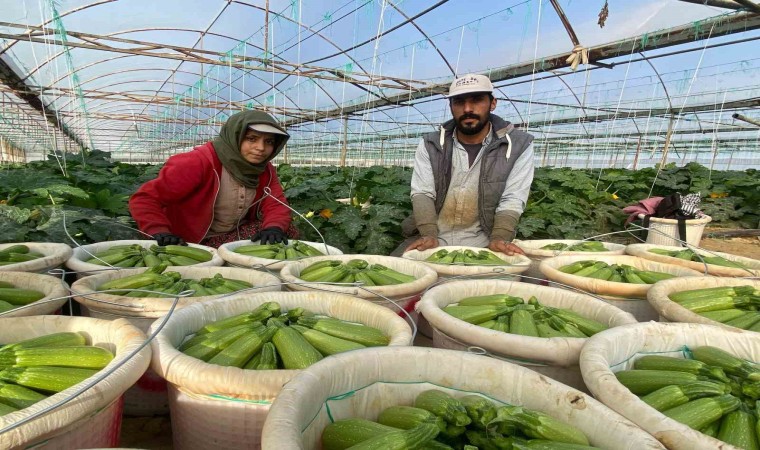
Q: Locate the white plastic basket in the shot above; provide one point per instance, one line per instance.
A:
(665, 231)
(92, 419)
(513, 265)
(618, 348)
(533, 250)
(227, 252)
(55, 255)
(149, 395)
(553, 357)
(751, 266)
(81, 254)
(224, 407)
(56, 292)
(626, 296)
(364, 382)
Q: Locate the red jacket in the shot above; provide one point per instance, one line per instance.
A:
(181, 200)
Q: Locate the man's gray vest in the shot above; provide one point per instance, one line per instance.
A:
(496, 163)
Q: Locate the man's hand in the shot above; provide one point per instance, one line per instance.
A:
(508, 248)
(423, 243)
(163, 239)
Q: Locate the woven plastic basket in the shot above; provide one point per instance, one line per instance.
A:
(626, 296)
(533, 250)
(92, 419)
(364, 382)
(554, 357)
(77, 260)
(227, 252)
(149, 394)
(55, 290)
(618, 348)
(224, 407)
(55, 256)
(751, 266)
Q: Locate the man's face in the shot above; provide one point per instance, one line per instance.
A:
(257, 146)
(471, 111)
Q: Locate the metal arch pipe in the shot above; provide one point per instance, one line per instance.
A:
(82, 83)
(422, 32)
(664, 88)
(71, 11)
(119, 33)
(390, 30)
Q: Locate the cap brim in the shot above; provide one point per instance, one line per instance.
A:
(266, 128)
(468, 92)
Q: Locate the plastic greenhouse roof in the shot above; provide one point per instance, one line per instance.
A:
(145, 79)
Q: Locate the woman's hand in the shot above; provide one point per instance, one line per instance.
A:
(163, 239)
(271, 235)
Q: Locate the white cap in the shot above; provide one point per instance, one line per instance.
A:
(470, 83)
(266, 128)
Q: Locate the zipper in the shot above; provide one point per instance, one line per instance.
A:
(216, 196)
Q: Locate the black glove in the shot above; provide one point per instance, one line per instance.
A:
(272, 235)
(163, 239)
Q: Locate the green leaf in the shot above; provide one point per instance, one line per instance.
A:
(14, 214)
(60, 189)
(350, 220)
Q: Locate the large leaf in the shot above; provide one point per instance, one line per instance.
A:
(349, 219)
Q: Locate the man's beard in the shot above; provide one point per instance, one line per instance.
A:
(470, 130)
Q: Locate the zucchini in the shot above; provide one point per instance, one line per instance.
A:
(294, 349)
(326, 344)
(46, 379)
(443, 405)
(20, 297)
(365, 335)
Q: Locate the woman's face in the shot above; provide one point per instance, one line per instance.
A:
(257, 146)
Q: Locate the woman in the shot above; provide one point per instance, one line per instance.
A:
(216, 193)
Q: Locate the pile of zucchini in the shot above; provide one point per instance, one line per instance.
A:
(17, 253)
(690, 255)
(618, 273)
(290, 251)
(466, 257)
(12, 297)
(355, 270)
(269, 339)
(715, 393)
(736, 306)
(164, 284)
(438, 421)
(510, 314)
(134, 255)
(585, 246)
(33, 369)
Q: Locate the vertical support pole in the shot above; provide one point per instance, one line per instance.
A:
(715, 155)
(266, 31)
(344, 148)
(546, 150)
(667, 141)
(638, 152)
(730, 158)
(382, 148)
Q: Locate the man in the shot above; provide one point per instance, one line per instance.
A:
(472, 178)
